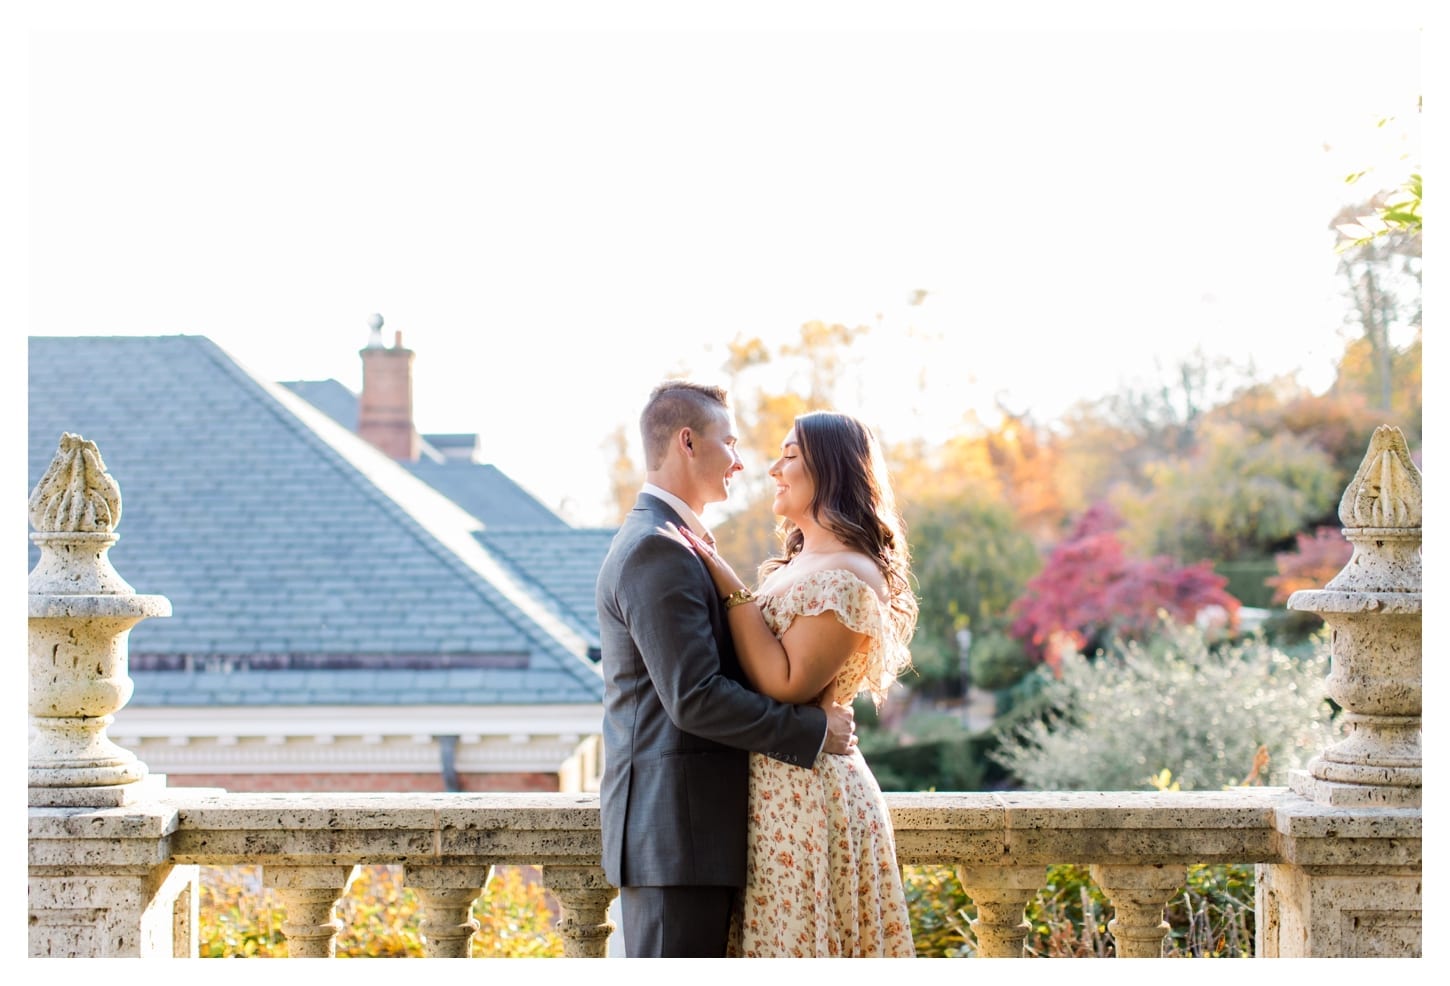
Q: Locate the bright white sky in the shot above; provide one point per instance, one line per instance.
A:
(557, 219)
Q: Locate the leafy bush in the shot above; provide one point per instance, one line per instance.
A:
(929, 752)
(1212, 918)
(240, 918)
(938, 765)
(997, 661)
(1174, 702)
(1248, 580)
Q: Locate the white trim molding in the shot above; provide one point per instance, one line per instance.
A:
(356, 739)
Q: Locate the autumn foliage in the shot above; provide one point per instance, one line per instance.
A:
(380, 916)
(1316, 559)
(1091, 590)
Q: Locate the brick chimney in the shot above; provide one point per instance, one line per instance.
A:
(385, 411)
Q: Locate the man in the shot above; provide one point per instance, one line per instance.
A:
(679, 719)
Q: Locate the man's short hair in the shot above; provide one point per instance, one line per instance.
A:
(673, 405)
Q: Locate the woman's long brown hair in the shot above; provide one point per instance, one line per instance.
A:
(854, 501)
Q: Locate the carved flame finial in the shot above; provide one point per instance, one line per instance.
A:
(76, 494)
(1386, 490)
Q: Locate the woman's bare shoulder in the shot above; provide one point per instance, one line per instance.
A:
(863, 567)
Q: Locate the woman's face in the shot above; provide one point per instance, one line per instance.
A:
(794, 487)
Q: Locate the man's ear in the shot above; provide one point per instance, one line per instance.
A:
(686, 439)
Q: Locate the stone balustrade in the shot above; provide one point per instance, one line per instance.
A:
(1137, 843)
(113, 855)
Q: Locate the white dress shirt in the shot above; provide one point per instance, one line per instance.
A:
(692, 520)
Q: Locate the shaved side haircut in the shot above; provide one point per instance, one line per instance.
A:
(673, 405)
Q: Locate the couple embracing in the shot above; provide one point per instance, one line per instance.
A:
(738, 817)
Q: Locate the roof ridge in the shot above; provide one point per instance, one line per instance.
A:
(454, 548)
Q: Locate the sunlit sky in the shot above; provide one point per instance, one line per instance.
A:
(558, 215)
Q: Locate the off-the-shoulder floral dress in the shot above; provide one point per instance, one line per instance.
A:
(821, 872)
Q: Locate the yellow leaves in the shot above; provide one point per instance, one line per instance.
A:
(745, 353)
(820, 339)
(380, 916)
(1163, 780)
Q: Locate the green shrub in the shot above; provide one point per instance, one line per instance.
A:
(958, 764)
(1173, 702)
(1248, 580)
(997, 661)
(929, 752)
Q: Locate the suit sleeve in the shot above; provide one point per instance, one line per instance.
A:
(665, 604)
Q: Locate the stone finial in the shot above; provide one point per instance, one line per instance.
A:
(81, 614)
(1373, 608)
(76, 494)
(1386, 491)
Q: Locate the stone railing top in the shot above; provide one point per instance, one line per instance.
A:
(1386, 491)
(204, 826)
(1241, 825)
(76, 494)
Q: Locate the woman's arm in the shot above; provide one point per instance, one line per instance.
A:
(796, 667)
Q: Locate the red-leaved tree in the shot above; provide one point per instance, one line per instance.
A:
(1315, 560)
(1090, 590)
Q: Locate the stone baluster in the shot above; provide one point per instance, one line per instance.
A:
(1373, 608)
(447, 894)
(584, 896)
(1138, 894)
(1001, 894)
(310, 895)
(81, 615)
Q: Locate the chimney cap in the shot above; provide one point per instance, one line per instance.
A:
(375, 337)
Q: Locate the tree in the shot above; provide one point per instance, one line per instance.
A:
(1111, 442)
(971, 560)
(1024, 459)
(1338, 423)
(1381, 277)
(1380, 262)
(625, 477)
(1090, 591)
(1014, 462)
(1359, 371)
(1236, 496)
(1316, 559)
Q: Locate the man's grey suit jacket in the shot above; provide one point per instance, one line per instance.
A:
(678, 715)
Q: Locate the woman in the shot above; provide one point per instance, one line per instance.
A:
(832, 615)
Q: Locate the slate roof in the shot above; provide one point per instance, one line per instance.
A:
(562, 564)
(491, 496)
(481, 489)
(302, 564)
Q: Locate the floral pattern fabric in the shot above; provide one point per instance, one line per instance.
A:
(821, 872)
